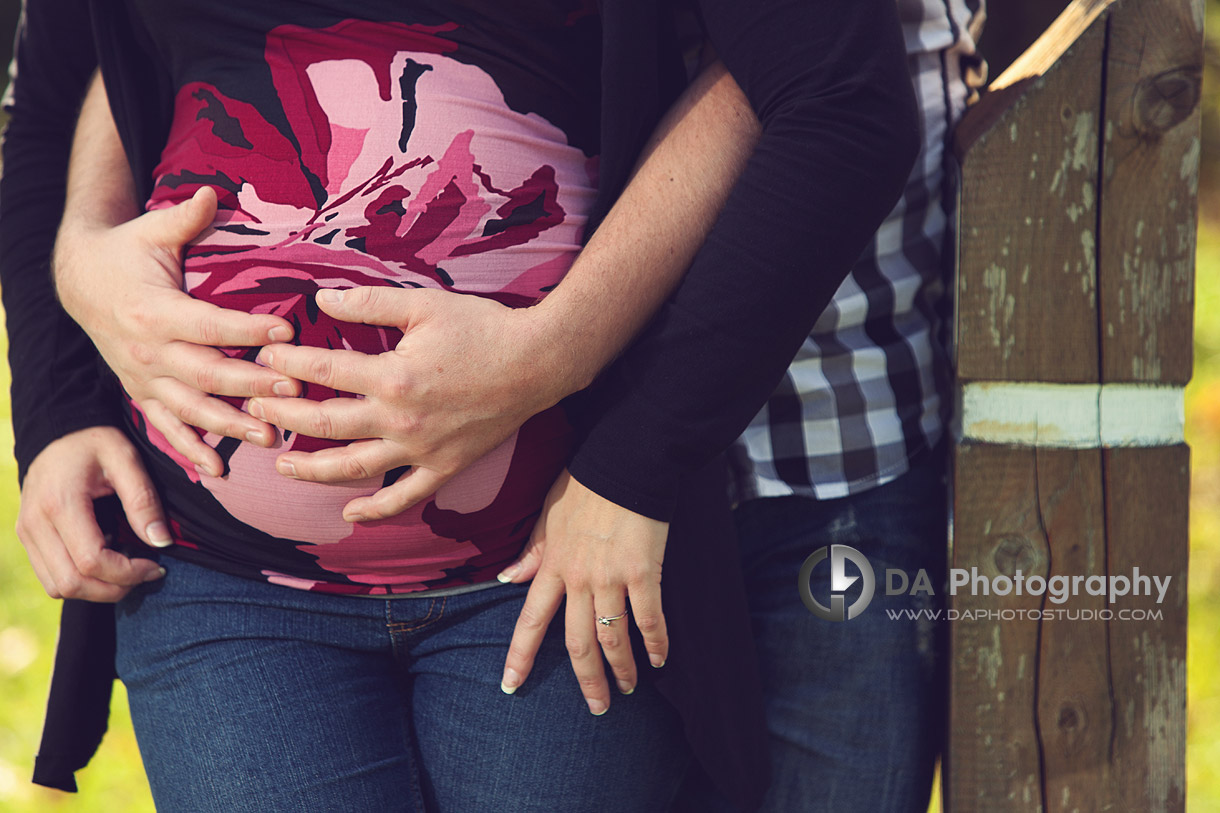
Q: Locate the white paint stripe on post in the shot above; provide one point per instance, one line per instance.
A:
(1142, 415)
(1070, 416)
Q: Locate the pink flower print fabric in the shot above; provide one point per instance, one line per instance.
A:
(385, 160)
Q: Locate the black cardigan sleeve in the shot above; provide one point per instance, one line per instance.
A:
(58, 383)
(828, 81)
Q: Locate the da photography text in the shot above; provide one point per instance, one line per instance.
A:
(848, 566)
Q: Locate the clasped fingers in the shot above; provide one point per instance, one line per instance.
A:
(198, 409)
(213, 372)
(340, 370)
(334, 418)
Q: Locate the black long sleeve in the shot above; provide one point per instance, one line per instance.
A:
(828, 81)
(829, 84)
(58, 383)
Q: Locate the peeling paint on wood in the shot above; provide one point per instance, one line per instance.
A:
(1014, 318)
(1146, 259)
(1150, 691)
(1079, 274)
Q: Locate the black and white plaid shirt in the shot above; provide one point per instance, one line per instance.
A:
(869, 389)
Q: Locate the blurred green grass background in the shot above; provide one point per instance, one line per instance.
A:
(115, 781)
(1203, 435)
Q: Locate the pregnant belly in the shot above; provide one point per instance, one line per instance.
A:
(476, 521)
(277, 264)
(485, 508)
(468, 196)
(479, 519)
(486, 511)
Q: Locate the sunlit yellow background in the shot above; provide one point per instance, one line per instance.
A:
(115, 781)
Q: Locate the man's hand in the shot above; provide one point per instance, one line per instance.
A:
(56, 522)
(466, 374)
(600, 555)
(123, 285)
(457, 386)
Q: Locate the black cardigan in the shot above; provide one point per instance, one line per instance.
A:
(827, 79)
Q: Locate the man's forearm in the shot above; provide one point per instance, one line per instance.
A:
(840, 133)
(101, 192)
(649, 238)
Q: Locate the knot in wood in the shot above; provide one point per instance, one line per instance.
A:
(1013, 553)
(1164, 100)
(1071, 717)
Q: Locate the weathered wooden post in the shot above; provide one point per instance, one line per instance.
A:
(1073, 339)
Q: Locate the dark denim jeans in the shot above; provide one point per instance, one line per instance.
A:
(855, 709)
(252, 696)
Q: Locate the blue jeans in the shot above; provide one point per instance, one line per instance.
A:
(253, 696)
(855, 708)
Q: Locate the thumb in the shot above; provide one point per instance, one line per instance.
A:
(140, 501)
(527, 564)
(370, 305)
(408, 490)
(178, 225)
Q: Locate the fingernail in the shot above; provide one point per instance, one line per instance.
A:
(158, 535)
(597, 707)
(257, 438)
(284, 388)
(286, 468)
(355, 517)
(625, 688)
(656, 660)
(203, 471)
(153, 575)
(255, 408)
(508, 574)
(280, 333)
(330, 296)
(510, 681)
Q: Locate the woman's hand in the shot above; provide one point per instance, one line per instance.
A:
(57, 526)
(123, 285)
(466, 374)
(600, 555)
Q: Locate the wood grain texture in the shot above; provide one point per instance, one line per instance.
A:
(1154, 71)
(1026, 290)
(1147, 500)
(1080, 711)
(1076, 246)
(1074, 709)
(994, 757)
(1031, 712)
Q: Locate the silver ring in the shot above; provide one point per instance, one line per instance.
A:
(605, 620)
